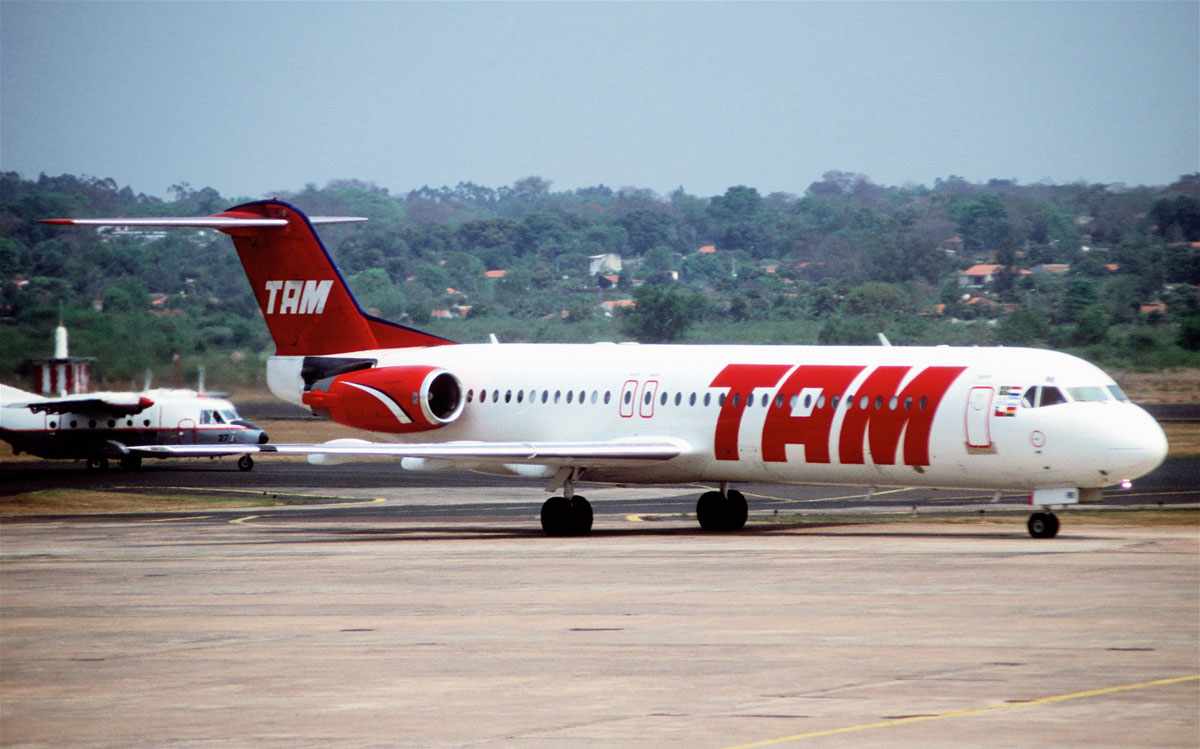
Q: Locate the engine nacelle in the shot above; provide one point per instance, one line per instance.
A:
(399, 400)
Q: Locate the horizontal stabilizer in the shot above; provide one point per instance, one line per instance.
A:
(199, 222)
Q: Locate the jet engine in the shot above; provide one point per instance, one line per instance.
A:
(399, 400)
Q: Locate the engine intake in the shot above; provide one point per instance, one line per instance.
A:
(398, 400)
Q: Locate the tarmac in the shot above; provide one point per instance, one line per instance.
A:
(432, 612)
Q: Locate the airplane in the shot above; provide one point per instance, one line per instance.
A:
(97, 427)
(988, 418)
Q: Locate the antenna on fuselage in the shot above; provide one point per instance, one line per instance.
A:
(492, 337)
(883, 341)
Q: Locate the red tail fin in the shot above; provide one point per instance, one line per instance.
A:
(308, 307)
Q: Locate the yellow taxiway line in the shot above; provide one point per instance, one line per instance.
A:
(969, 712)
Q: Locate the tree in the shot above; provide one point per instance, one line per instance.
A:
(1025, 327)
(983, 222)
(662, 313)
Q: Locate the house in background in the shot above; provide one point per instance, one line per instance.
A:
(978, 276)
(604, 265)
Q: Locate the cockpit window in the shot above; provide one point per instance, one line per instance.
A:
(216, 417)
(1088, 394)
(1051, 396)
(230, 415)
(1118, 393)
(1029, 400)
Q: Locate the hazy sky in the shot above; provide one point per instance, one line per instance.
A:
(250, 98)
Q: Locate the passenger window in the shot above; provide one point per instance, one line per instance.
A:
(878, 402)
(483, 396)
(470, 395)
(863, 402)
(545, 395)
(582, 396)
(557, 396)
(606, 394)
(720, 400)
(779, 401)
(908, 403)
(737, 400)
(570, 396)
(923, 402)
(508, 396)
(833, 402)
(692, 399)
(678, 398)
(1051, 396)
(520, 396)
(595, 395)
(662, 399)
(821, 402)
(765, 400)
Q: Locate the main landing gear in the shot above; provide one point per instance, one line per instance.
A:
(245, 463)
(1043, 525)
(568, 515)
(725, 510)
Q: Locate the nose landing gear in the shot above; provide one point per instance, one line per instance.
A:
(1043, 525)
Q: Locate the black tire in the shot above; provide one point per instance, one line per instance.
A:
(97, 464)
(709, 511)
(556, 515)
(1043, 525)
(245, 463)
(581, 516)
(131, 462)
(1053, 519)
(736, 510)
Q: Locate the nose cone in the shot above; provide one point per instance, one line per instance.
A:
(1139, 444)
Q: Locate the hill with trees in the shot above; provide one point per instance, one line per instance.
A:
(1110, 272)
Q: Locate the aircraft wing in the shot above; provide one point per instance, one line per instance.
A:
(101, 404)
(586, 454)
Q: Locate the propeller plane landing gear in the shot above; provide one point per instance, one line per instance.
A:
(725, 510)
(568, 515)
(1043, 525)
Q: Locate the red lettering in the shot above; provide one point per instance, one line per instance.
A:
(889, 413)
(740, 379)
(782, 428)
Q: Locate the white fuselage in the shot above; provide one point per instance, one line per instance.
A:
(980, 434)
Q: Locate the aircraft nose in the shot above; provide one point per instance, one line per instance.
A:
(1139, 444)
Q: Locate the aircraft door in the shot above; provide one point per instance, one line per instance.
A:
(628, 393)
(979, 406)
(185, 432)
(646, 401)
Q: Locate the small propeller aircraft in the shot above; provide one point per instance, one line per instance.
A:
(994, 418)
(99, 427)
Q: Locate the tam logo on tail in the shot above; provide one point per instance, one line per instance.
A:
(297, 297)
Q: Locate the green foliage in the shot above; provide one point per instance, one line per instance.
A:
(1189, 332)
(662, 314)
(851, 258)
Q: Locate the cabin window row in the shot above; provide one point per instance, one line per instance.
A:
(112, 423)
(708, 399)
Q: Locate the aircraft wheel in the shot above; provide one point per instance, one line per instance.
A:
(566, 517)
(736, 510)
(131, 462)
(581, 516)
(245, 463)
(97, 464)
(722, 513)
(1043, 525)
(556, 513)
